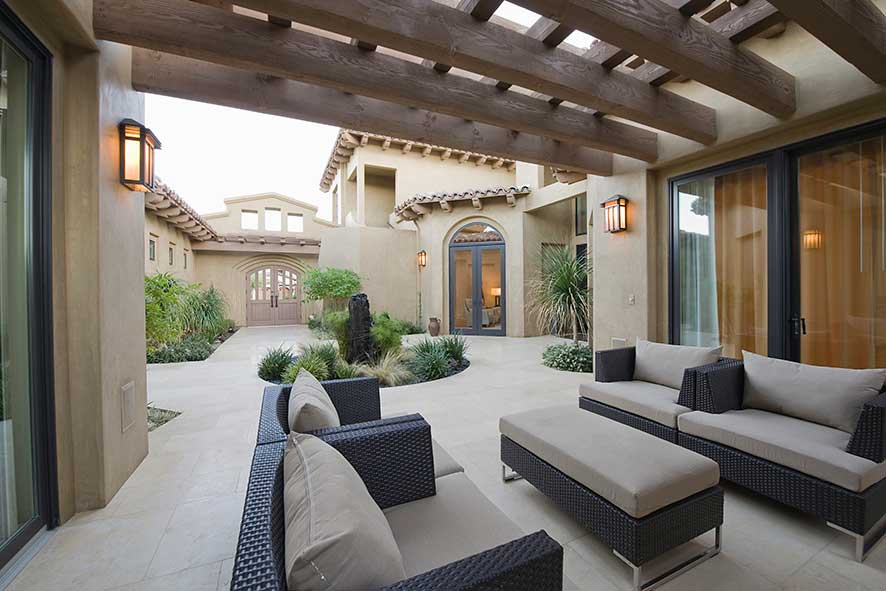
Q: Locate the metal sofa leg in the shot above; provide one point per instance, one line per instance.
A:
(676, 570)
(865, 543)
(508, 475)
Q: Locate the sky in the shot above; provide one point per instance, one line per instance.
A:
(211, 152)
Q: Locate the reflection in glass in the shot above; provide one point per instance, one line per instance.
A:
(722, 261)
(463, 278)
(491, 288)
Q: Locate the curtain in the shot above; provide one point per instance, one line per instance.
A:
(698, 273)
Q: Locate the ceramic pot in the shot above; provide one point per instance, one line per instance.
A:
(434, 327)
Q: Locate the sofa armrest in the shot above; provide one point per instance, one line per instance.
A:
(719, 387)
(869, 439)
(614, 365)
(394, 457)
(356, 400)
(530, 563)
(273, 427)
(690, 380)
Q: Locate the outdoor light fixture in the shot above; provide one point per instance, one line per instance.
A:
(137, 145)
(496, 292)
(422, 258)
(615, 214)
(812, 239)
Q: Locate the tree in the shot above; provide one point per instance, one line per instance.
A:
(558, 294)
(331, 285)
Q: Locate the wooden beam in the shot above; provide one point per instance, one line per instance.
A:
(608, 56)
(690, 7)
(193, 30)
(549, 32)
(855, 29)
(426, 152)
(437, 32)
(659, 32)
(738, 25)
(482, 10)
(202, 81)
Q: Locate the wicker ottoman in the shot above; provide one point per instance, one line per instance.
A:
(642, 496)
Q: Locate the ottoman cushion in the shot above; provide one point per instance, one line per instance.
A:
(637, 472)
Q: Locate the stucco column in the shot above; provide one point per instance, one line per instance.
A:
(361, 194)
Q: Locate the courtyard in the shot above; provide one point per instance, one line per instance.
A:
(175, 522)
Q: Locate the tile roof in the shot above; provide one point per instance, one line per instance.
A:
(164, 198)
(510, 192)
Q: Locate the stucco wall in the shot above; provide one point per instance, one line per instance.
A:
(165, 236)
(228, 221)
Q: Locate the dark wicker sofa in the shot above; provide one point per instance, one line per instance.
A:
(717, 389)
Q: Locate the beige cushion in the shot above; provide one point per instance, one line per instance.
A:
(336, 535)
(826, 395)
(664, 364)
(809, 448)
(444, 464)
(652, 401)
(637, 472)
(310, 407)
(457, 522)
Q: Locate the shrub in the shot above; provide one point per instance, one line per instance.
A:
(390, 369)
(274, 363)
(163, 300)
(425, 345)
(344, 370)
(408, 327)
(195, 347)
(203, 310)
(335, 324)
(431, 364)
(454, 346)
(314, 323)
(313, 363)
(558, 294)
(330, 284)
(324, 351)
(569, 357)
(386, 334)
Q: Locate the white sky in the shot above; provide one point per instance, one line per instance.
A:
(525, 17)
(211, 152)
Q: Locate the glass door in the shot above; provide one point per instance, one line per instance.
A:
(477, 281)
(841, 195)
(27, 480)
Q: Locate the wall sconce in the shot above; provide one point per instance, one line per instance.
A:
(137, 145)
(812, 239)
(422, 258)
(496, 292)
(615, 218)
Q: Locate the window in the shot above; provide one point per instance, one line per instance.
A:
(581, 215)
(248, 220)
(273, 220)
(295, 222)
(152, 250)
(185, 259)
(171, 254)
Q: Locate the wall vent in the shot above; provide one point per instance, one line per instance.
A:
(127, 405)
(619, 342)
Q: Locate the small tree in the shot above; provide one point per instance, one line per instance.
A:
(558, 295)
(330, 285)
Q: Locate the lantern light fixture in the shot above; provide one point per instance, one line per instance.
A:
(812, 239)
(422, 258)
(137, 145)
(615, 210)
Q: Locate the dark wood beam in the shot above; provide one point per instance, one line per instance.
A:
(855, 29)
(482, 10)
(549, 32)
(657, 31)
(442, 34)
(738, 25)
(196, 80)
(608, 56)
(193, 30)
(690, 7)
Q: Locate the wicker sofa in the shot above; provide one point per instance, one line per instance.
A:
(451, 536)
(836, 476)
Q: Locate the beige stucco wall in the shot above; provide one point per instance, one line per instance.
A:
(228, 221)
(165, 236)
(226, 271)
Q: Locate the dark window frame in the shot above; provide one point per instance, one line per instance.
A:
(171, 255)
(581, 224)
(152, 249)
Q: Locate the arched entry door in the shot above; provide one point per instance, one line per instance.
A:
(477, 281)
(273, 296)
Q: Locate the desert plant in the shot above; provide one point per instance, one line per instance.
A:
(386, 333)
(193, 347)
(426, 345)
(203, 310)
(331, 285)
(569, 357)
(325, 351)
(558, 295)
(344, 370)
(390, 370)
(313, 363)
(454, 346)
(409, 327)
(431, 364)
(274, 363)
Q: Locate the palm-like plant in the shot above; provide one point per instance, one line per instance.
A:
(558, 294)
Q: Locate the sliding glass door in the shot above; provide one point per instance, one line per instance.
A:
(784, 253)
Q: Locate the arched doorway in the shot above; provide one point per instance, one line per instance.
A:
(477, 280)
(273, 296)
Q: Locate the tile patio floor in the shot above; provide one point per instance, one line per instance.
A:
(174, 523)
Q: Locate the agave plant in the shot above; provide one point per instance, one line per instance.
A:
(558, 294)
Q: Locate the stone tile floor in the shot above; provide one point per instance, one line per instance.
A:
(174, 523)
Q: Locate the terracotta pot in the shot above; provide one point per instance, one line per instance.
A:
(434, 327)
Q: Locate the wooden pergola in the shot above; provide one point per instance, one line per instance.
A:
(453, 74)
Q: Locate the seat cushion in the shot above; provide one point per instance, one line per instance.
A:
(336, 536)
(310, 407)
(444, 464)
(652, 401)
(664, 364)
(635, 471)
(829, 396)
(807, 447)
(457, 522)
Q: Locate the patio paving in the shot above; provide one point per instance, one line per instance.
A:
(174, 524)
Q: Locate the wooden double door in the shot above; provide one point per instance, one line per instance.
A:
(273, 296)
